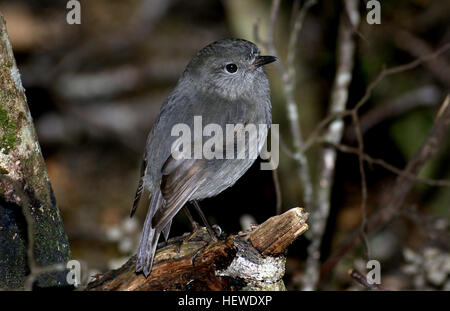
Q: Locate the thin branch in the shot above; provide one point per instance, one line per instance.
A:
(288, 77)
(400, 189)
(415, 46)
(272, 21)
(383, 73)
(361, 279)
(387, 166)
(276, 183)
(425, 96)
(374, 161)
(360, 140)
(339, 95)
(299, 18)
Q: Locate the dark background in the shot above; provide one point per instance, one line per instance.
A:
(94, 90)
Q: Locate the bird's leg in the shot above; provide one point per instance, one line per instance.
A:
(195, 225)
(205, 221)
(196, 228)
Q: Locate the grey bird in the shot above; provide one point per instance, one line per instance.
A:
(224, 83)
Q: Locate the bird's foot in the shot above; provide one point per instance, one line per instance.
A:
(201, 234)
(217, 231)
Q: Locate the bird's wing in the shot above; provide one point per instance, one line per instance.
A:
(140, 187)
(181, 178)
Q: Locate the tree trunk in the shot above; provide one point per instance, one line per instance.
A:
(32, 234)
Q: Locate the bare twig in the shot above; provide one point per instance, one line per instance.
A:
(288, 76)
(401, 188)
(425, 96)
(387, 166)
(314, 137)
(374, 161)
(359, 277)
(383, 74)
(276, 183)
(360, 140)
(338, 101)
(333, 119)
(272, 21)
(415, 46)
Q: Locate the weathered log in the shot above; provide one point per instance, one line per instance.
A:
(253, 260)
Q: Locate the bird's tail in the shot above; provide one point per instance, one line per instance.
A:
(149, 237)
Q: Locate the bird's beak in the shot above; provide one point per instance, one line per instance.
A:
(261, 61)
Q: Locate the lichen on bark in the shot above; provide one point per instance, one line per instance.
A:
(24, 186)
(7, 131)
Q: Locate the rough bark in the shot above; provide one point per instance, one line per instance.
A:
(253, 260)
(32, 234)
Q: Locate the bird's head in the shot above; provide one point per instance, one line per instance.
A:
(231, 68)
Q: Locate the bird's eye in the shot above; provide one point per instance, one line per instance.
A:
(231, 68)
